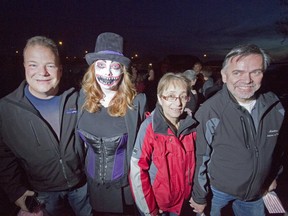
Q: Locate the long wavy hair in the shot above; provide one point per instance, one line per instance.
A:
(122, 100)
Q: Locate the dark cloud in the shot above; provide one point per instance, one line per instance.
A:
(154, 28)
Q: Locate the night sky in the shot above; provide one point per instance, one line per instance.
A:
(150, 28)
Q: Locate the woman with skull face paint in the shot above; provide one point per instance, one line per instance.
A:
(110, 117)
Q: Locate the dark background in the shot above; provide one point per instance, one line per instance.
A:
(163, 32)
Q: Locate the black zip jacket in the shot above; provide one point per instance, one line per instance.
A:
(31, 155)
(234, 155)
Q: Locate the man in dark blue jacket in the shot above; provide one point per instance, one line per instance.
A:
(236, 138)
(38, 148)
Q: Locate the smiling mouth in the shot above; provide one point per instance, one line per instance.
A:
(176, 109)
(245, 88)
(108, 81)
(42, 80)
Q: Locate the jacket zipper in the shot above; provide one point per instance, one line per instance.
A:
(256, 153)
(64, 172)
(245, 132)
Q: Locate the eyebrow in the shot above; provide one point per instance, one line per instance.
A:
(33, 61)
(175, 92)
(248, 71)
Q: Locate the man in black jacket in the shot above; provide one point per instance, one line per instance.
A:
(38, 148)
(236, 138)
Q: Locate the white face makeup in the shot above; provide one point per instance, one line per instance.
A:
(108, 74)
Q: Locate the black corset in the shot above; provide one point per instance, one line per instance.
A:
(107, 163)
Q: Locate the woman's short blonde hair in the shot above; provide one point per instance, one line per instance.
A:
(176, 79)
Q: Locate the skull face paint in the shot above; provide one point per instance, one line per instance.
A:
(108, 74)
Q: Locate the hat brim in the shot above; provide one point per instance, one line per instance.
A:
(92, 57)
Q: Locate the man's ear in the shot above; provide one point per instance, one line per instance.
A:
(224, 76)
(60, 68)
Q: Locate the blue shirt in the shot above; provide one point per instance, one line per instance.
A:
(48, 108)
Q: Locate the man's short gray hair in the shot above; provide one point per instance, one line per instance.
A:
(245, 50)
(45, 42)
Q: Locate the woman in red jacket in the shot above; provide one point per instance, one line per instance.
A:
(163, 161)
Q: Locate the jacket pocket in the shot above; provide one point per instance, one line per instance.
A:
(166, 189)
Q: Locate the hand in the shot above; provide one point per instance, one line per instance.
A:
(159, 212)
(21, 201)
(273, 186)
(25, 213)
(198, 208)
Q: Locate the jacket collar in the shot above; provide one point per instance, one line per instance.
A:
(18, 94)
(265, 99)
(160, 125)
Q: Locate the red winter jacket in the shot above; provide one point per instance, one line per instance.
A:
(162, 164)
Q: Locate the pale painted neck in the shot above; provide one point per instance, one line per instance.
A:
(107, 97)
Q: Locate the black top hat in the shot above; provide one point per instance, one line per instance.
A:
(109, 46)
